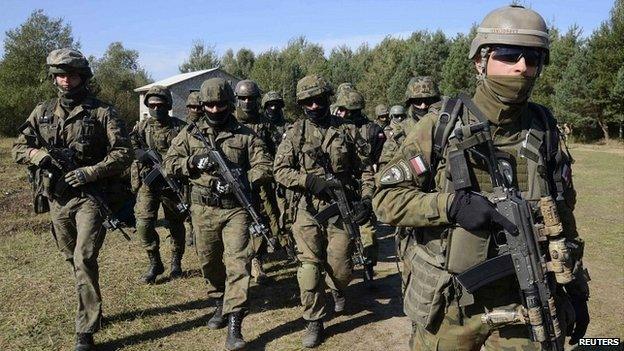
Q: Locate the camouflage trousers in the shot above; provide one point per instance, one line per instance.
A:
(368, 235)
(148, 202)
(79, 234)
(322, 249)
(269, 209)
(224, 248)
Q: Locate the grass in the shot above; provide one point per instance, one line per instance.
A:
(37, 299)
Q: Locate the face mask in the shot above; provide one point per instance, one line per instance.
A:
(419, 112)
(510, 89)
(72, 97)
(250, 106)
(160, 114)
(274, 114)
(194, 116)
(317, 115)
(218, 118)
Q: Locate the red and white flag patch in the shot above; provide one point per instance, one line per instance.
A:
(418, 164)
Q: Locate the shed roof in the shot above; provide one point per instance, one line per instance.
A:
(167, 82)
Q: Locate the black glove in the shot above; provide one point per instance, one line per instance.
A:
(362, 211)
(474, 212)
(318, 186)
(581, 321)
(202, 162)
(140, 155)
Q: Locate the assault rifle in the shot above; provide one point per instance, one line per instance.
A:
(156, 173)
(233, 183)
(63, 162)
(525, 252)
(342, 207)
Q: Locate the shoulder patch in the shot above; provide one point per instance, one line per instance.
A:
(418, 164)
(393, 175)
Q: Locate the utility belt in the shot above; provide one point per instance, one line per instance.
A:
(204, 197)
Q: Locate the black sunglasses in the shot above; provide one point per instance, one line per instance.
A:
(319, 101)
(217, 104)
(513, 54)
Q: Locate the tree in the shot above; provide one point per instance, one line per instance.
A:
(23, 73)
(117, 74)
(201, 57)
(458, 72)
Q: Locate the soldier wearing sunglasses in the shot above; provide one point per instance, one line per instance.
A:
(455, 226)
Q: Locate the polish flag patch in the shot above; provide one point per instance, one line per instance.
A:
(418, 164)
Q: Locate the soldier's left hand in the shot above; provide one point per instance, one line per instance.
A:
(362, 211)
(80, 176)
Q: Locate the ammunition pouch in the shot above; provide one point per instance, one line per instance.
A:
(466, 249)
(428, 286)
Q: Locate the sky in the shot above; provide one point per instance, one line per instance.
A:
(163, 32)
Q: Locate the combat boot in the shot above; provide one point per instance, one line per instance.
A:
(176, 265)
(234, 340)
(155, 268)
(84, 342)
(257, 272)
(313, 334)
(217, 321)
(339, 300)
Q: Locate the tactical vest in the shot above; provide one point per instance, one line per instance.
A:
(531, 160)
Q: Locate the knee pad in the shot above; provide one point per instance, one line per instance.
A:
(308, 276)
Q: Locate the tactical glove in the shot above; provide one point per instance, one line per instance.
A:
(40, 158)
(141, 156)
(581, 321)
(473, 211)
(362, 210)
(80, 176)
(318, 186)
(202, 162)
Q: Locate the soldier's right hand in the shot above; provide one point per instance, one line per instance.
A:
(319, 186)
(472, 211)
(40, 158)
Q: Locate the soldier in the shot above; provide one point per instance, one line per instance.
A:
(221, 225)
(314, 148)
(349, 106)
(394, 135)
(156, 133)
(421, 96)
(382, 113)
(193, 107)
(273, 106)
(454, 228)
(92, 135)
(248, 113)
(194, 113)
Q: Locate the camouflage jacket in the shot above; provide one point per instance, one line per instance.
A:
(311, 149)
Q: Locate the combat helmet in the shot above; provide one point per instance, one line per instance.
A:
(159, 93)
(381, 110)
(193, 99)
(350, 100)
(343, 87)
(247, 88)
(512, 25)
(68, 60)
(397, 110)
(272, 96)
(216, 90)
(421, 87)
(311, 86)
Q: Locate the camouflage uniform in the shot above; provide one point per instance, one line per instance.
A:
(193, 106)
(412, 193)
(157, 134)
(353, 101)
(394, 135)
(92, 129)
(221, 224)
(278, 129)
(310, 148)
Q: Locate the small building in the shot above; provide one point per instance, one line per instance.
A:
(181, 85)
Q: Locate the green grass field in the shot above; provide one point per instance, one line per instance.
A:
(37, 300)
